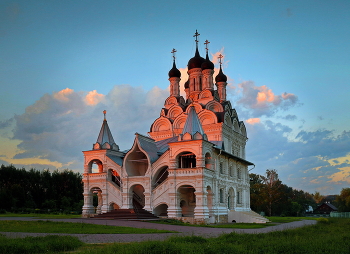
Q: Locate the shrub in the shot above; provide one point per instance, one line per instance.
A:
(323, 220)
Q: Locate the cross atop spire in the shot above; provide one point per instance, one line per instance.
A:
(196, 35)
(173, 52)
(220, 57)
(206, 45)
(104, 113)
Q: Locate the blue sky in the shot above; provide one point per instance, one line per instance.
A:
(63, 62)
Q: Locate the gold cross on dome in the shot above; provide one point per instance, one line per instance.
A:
(220, 57)
(196, 35)
(173, 52)
(206, 45)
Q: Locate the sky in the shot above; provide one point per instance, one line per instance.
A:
(288, 65)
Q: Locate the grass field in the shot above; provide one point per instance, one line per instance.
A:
(41, 216)
(70, 228)
(327, 236)
(274, 221)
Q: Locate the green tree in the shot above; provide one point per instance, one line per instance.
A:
(343, 200)
(272, 189)
(318, 198)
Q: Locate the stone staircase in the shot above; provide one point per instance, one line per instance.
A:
(246, 217)
(138, 213)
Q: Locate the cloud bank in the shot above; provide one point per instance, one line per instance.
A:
(53, 131)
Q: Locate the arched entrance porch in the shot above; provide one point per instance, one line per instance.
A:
(137, 196)
(187, 200)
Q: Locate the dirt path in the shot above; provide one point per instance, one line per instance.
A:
(183, 230)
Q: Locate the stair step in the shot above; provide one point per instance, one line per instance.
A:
(124, 214)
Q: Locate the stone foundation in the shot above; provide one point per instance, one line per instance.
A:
(223, 218)
(192, 220)
(88, 215)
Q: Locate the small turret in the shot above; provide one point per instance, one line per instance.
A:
(174, 78)
(221, 82)
(105, 139)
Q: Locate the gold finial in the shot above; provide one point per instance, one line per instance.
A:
(104, 113)
(196, 35)
(206, 45)
(173, 52)
(220, 57)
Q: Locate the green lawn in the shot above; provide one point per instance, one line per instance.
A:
(276, 219)
(330, 236)
(70, 228)
(41, 216)
(227, 225)
(327, 236)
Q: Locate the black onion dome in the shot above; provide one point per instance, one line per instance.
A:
(196, 61)
(221, 77)
(207, 64)
(174, 72)
(187, 84)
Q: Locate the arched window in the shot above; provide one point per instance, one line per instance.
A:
(239, 197)
(239, 173)
(208, 160)
(95, 166)
(187, 160)
(221, 196)
(115, 177)
(221, 167)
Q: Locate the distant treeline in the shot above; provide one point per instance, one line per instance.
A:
(269, 195)
(40, 191)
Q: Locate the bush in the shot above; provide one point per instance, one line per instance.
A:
(2, 211)
(323, 220)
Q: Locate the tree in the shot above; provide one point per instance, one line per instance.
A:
(39, 189)
(343, 200)
(318, 197)
(271, 189)
(256, 188)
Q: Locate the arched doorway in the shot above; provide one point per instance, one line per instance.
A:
(187, 200)
(113, 206)
(161, 210)
(97, 201)
(138, 196)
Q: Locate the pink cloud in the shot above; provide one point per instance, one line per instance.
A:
(261, 100)
(93, 98)
(63, 94)
(253, 121)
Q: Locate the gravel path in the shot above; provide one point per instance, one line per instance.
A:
(183, 230)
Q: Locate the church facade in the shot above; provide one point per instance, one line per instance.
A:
(192, 164)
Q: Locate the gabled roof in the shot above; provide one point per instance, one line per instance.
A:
(116, 159)
(163, 145)
(192, 125)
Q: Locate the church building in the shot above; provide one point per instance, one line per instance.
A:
(191, 166)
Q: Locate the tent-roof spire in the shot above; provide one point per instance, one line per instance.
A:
(105, 139)
(193, 124)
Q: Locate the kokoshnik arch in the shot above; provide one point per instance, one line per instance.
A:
(192, 166)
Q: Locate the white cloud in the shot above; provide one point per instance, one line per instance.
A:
(256, 101)
(60, 125)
